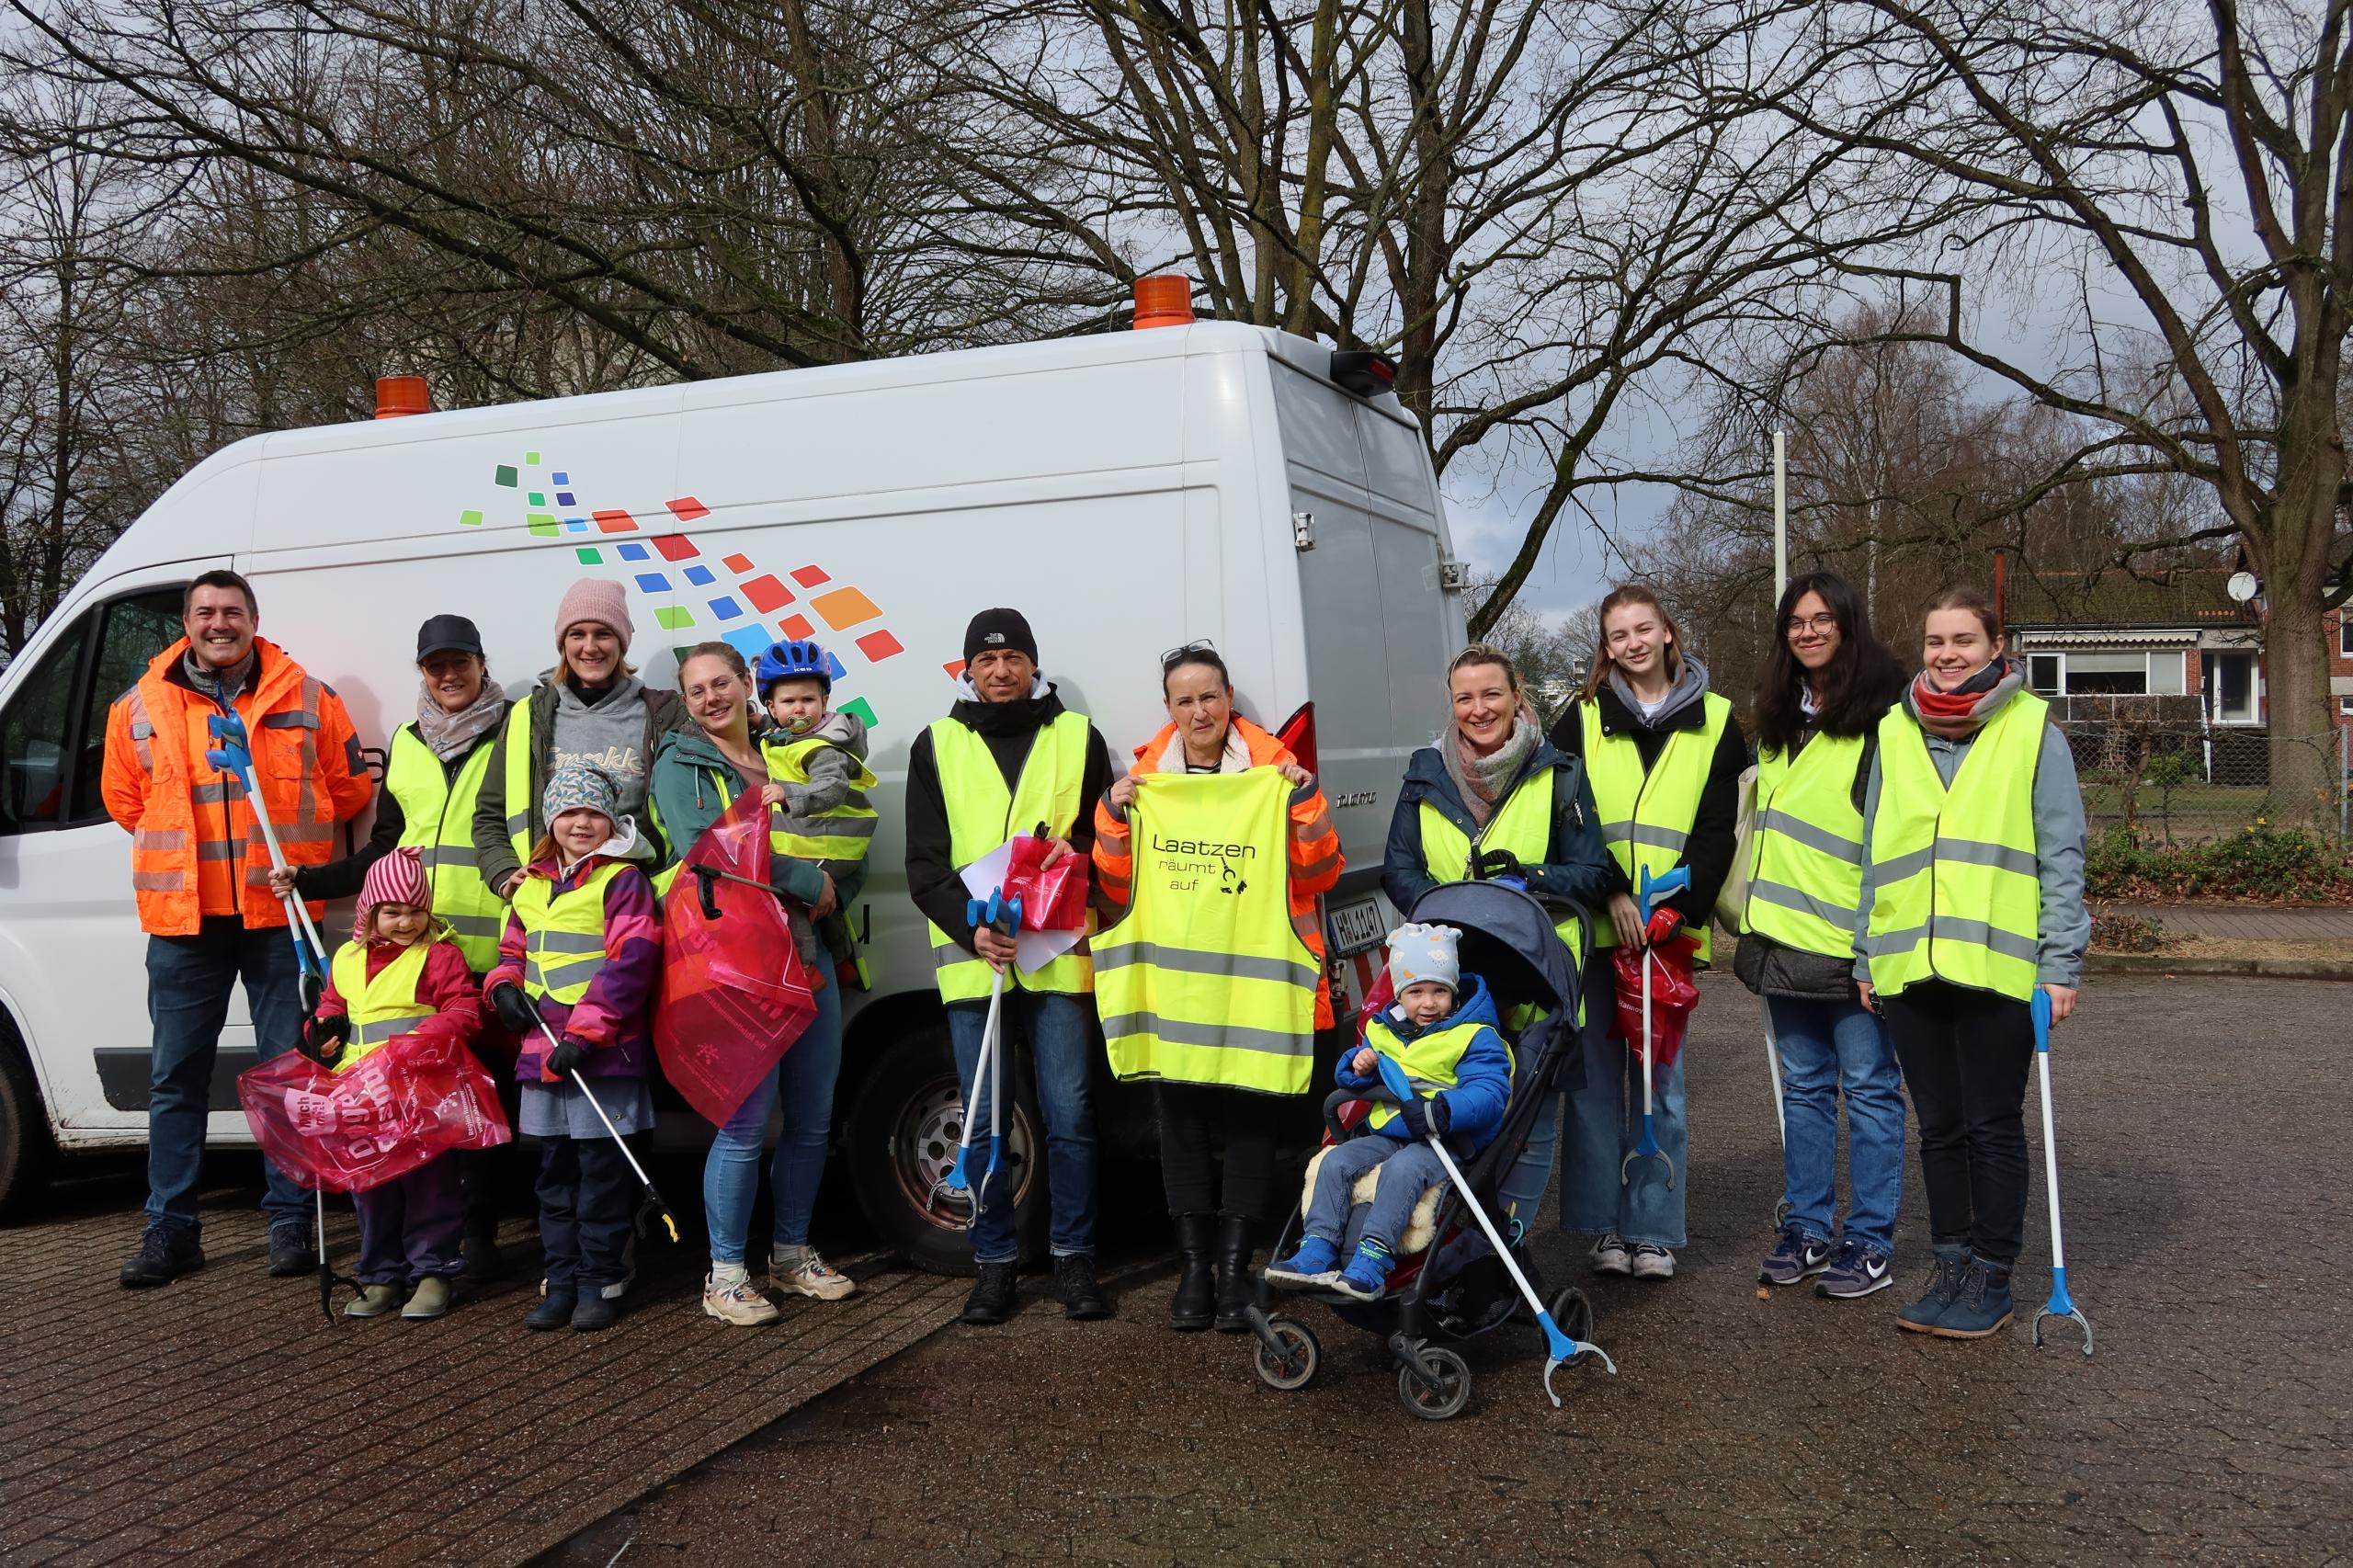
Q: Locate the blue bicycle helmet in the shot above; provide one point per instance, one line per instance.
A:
(796, 658)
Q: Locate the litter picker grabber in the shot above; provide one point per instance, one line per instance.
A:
(1781, 1116)
(231, 751)
(1002, 916)
(1653, 890)
(653, 1193)
(1560, 1347)
(2061, 1304)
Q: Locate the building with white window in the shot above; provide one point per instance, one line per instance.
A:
(2174, 649)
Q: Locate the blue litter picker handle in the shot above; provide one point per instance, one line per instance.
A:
(1655, 890)
(997, 912)
(232, 749)
(1393, 1079)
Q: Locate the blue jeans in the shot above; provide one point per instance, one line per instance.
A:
(1605, 1121)
(1824, 1047)
(1062, 1051)
(188, 980)
(731, 1174)
(1407, 1171)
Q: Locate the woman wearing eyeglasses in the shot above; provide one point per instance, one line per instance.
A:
(1218, 1203)
(1824, 686)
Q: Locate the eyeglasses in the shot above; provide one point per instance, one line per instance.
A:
(1173, 656)
(1818, 623)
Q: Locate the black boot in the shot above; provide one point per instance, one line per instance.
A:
(1074, 1282)
(1237, 1234)
(991, 1301)
(1190, 1309)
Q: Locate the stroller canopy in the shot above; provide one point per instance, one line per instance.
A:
(1508, 940)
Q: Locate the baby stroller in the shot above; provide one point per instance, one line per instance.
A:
(1470, 1271)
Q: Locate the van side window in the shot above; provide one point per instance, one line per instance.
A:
(137, 629)
(32, 738)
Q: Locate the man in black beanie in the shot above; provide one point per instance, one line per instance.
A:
(1008, 760)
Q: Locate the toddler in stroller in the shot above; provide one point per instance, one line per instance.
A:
(1441, 1232)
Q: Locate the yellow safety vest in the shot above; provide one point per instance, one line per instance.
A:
(982, 813)
(845, 832)
(1431, 1061)
(382, 1007)
(438, 821)
(517, 780)
(1646, 817)
(564, 934)
(1956, 895)
(1805, 877)
(1522, 824)
(1205, 980)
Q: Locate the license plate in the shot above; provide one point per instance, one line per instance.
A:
(1356, 926)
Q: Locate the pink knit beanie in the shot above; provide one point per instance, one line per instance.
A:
(600, 599)
(398, 878)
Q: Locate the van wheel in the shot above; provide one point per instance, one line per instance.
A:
(26, 1152)
(902, 1140)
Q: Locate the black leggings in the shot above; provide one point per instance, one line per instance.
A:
(1965, 1056)
(1194, 1118)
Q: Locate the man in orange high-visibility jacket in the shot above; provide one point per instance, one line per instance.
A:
(200, 870)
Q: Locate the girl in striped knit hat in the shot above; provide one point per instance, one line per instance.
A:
(400, 974)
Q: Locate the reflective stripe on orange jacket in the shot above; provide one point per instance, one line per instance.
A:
(1314, 845)
(194, 850)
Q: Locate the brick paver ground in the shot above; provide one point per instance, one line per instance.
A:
(222, 1420)
(2247, 922)
(2203, 1134)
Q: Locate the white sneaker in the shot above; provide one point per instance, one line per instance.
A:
(812, 1276)
(728, 1295)
(1610, 1256)
(1653, 1261)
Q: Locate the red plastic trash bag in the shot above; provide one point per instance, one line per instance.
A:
(411, 1098)
(735, 992)
(1053, 898)
(1674, 991)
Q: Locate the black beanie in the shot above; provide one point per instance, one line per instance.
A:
(999, 629)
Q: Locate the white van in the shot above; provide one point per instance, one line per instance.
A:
(1131, 492)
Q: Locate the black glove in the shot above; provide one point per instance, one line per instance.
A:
(563, 1059)
(1493, 865)
(324, 1036)
(1423, 1117)
(514, 1009)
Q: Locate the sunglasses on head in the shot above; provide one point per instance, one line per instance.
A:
(1174, 656)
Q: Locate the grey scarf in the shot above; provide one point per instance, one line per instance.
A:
(1481, 780)
(447, 734)
(222, 686)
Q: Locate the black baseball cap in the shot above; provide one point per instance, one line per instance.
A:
(448, 634)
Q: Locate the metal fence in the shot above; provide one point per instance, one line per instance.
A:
(2171, 779)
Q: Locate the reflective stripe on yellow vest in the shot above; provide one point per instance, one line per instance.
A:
(1205, 980)
(1646, 817)
(723, 780)
(382, 1007)
(1431, 1061)
(438, 821)
(1806, 850)
(564, 934)
(982, 813)
(1955, 892)
(1522, 824)
(844, 832)
(517, 780)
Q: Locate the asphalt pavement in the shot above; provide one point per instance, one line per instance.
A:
(2202, 1126)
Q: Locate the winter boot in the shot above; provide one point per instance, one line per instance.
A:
(430, 1300)
(1984, 1306)
(1075, 1284)
(595, 1313)
(1188, 1309)
(1923, 1315)
(555, 1310)
(1312, 1268)
(482, 1257)
(1236, 1237)
(991, 1301)
(164, 1253)
(374, 1302)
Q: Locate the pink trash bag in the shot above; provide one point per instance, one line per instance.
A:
(409, 1099)
(1053, 898)
(1674, 991)
(735, 992)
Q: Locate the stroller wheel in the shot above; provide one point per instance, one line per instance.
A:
(1448, 1399)
(1572, 1313)
(1301, 1353)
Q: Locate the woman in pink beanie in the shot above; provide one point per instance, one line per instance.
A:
(589, 711)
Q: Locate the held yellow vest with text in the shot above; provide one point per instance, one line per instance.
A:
(1956, 891)
(982, 813)
(1646, 817)
(1204, 980)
